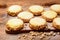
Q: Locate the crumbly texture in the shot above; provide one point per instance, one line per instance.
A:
(56, 8)
(25, 16)
(49, 15)
(39, 36)
(36, 9)
(56, 23)
(37, 23)
(14, 24)
(14, 10)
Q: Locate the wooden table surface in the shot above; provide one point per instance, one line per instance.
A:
(25, 4)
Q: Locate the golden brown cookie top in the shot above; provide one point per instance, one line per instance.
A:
(25, 15)
(57, 21)
(49, 14)
(37, 21)
(14, 8)
(14, 23)
(55, 7)
(36, 8)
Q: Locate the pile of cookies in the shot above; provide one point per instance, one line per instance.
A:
(36, 16)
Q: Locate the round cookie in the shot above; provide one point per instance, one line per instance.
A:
(14, 10)
(37, 23)
(56, 23)
(36, 9)
(49, 15)
(14, 24)
(56, 8)
(25, 16)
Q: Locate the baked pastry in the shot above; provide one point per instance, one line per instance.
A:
(36, 9)
(49, 15)
(37, 23)
(14, 10)
(25, 16)
(56, 8)
(56, 23)
(14, 24)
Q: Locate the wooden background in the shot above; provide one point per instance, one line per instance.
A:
(25, 4)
